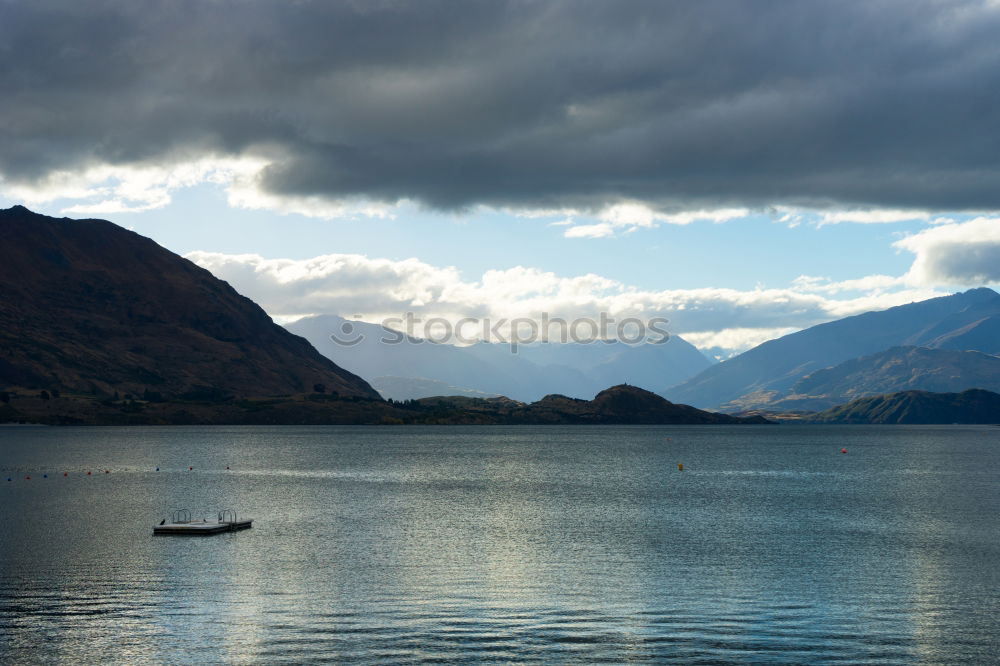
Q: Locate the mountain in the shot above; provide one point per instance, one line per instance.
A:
(655, 366)
(769, 371)
(896, 369)
(381, 352)
(918, 407)
(982, 335)
(578, 370)
(89, 307)
(616, 405)
(411, 388)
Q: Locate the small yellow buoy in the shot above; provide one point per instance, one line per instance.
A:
(680, 467)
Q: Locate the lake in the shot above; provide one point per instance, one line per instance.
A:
(503, 544)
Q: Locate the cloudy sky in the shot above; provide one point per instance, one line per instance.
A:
(742, 168)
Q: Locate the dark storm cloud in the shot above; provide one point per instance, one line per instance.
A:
(520, 103)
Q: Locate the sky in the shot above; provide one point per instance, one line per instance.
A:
(744, 169)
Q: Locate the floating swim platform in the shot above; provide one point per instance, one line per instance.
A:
(181, 524)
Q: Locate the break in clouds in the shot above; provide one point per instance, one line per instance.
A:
(719, 321)
(684, 106)
(722, 321)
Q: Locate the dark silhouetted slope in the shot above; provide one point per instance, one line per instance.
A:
(616, 405)
(90, 307)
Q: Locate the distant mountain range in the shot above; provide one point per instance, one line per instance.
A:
(576, 370)
(974, 406)
(771, 372)
(942, 344)
(412, 388)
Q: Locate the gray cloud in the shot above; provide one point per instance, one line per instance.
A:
(965, 253)
(679, 104)
(962, 264)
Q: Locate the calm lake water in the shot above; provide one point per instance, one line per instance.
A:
(503, 544)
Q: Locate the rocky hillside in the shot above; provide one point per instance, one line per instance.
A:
(767, 373)
(918, 407)
(891, 371)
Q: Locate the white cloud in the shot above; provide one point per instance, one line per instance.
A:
(962, 253)
(535, 213)
(869, 283)
(339, 283)
(796, 216)
(632, 214)
(627, 217)
(732, 340)
(108, 189)
(127, 189)
(716, 215)
(373, 289)
(601, 230)
(871, 216)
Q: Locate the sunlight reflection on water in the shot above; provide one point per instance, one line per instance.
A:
(552, 544)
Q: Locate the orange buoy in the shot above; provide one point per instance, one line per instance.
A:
(843, 450)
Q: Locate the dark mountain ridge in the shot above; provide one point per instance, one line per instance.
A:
(90, 307)
(622, 404)
(616, 405)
